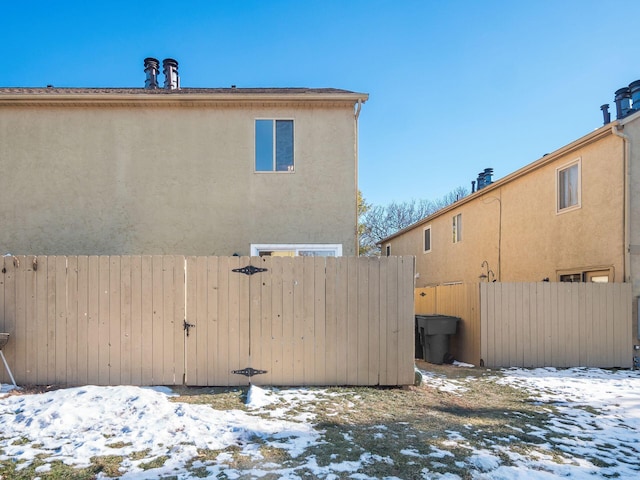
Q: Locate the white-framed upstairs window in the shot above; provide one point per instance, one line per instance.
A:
(457, 228)
(426, 239)
(274, 145)
(569, 186)
(296, 250)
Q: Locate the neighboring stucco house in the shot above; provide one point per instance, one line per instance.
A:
(195, 171)
(572, 215)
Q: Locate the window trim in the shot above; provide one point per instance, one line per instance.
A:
(584, 273)
(457, 228)
(576, 162)
(424, 230)
(274, 160)
(256, 248)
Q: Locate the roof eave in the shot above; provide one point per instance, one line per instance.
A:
(178, 99)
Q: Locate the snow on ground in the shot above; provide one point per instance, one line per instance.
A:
(594, 414)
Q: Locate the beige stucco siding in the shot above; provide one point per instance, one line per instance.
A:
(514, 225)
(163, 180)
(632, 130)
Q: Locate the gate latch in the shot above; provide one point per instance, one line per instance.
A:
(248, 372)
(187, 326)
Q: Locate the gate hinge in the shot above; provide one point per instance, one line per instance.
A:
(248, 372)
(187, 326)
(249, 270)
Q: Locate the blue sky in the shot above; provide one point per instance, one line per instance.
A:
(455, 86)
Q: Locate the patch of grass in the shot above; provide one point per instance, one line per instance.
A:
(273, 454)
(119, 444)
(155, 463)
(140, 455)
(217, 398)
(108, 465)
(56, 471)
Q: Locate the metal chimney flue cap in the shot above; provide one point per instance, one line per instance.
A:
(151, 69)
(151, 62)
(169, 62)
(171, 78)
(622, 92)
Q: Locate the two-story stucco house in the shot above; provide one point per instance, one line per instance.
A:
(165, 170)
(573, 215)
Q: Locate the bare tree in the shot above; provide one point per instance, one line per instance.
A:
(377, 222)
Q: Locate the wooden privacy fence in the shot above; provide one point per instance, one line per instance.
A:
(537, 324)
(166, 320)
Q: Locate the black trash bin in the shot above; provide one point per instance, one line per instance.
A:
(433, 332)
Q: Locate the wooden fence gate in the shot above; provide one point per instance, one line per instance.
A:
(167, 320)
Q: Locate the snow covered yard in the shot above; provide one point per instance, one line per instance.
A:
(461, 423)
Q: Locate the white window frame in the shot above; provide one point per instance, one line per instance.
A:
(291, 168)
(336, 248)
(424, 230)
(457, 228)
(577, 162)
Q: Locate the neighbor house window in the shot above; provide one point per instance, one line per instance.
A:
(274, 145)
(388, 249)
(457, 228)
(568, 178)
(427, 239)
(296, 249)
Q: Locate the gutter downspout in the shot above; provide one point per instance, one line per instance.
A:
(355, 149)
(627, 200)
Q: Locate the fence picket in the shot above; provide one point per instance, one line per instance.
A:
(72, 326)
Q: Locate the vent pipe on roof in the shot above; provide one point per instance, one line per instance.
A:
(623, 102)
(488, 173)
(483, 180)
(605, 113)
(634, 89)
(480, 181)
(171, 79)
(151, 68)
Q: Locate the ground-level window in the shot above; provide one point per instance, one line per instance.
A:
(457, 228)
(274, 145)
(568, 178)
(595, 276)
(427, 239)
(296, 250)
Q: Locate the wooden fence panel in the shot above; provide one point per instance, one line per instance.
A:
(342, 316)
(536, 324)
(120, 320)
(40, 324)
(391, 326)
(320, 322)
(288, 338)
(331, 322)
(568, 325)
(3, 323)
